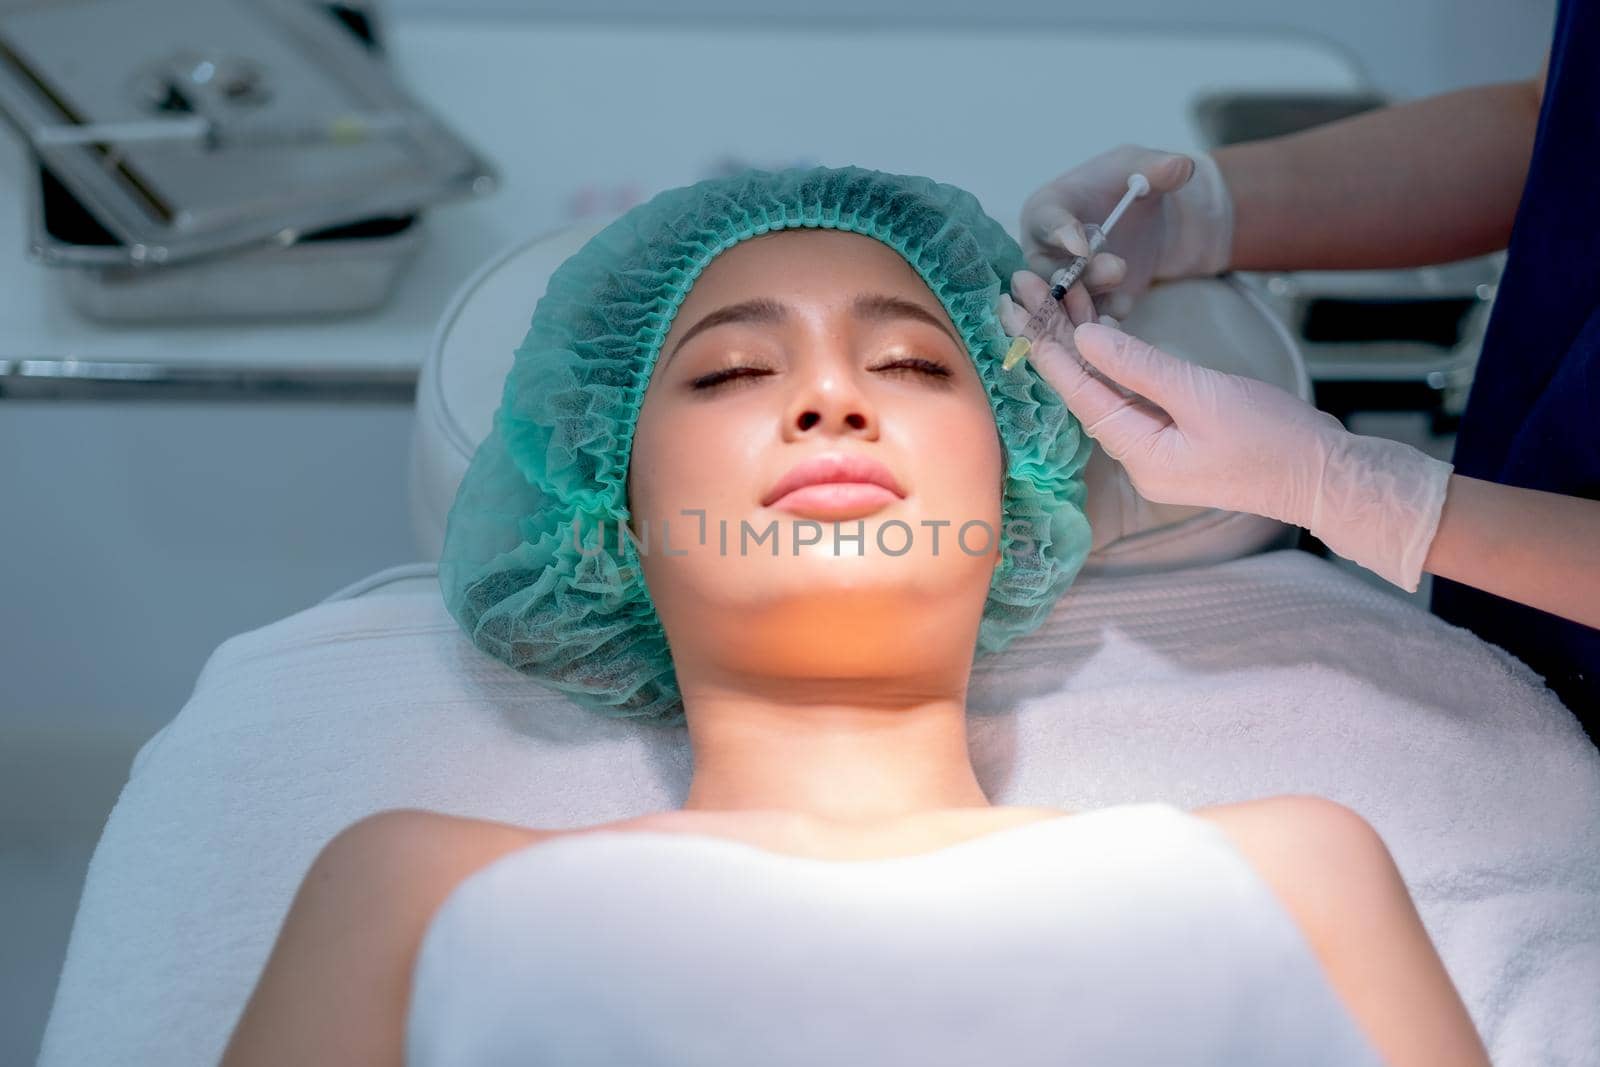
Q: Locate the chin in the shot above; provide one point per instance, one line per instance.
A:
(856, 636)
(836, 616)
(815, 576)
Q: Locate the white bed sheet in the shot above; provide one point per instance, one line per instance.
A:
(1271, 674)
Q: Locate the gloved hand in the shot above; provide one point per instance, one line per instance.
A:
(1198, 436)
(1182, 228)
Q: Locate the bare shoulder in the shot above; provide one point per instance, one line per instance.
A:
(432, 849)
(419, 857)
(412, 859)
(1335, 876)
(337, 981)
(1311, 850)
(1298, 809)
(426, 842)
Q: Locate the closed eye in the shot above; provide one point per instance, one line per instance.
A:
(911, 364)
(918, 365)
(726, 375)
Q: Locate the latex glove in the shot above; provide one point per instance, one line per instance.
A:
(1182, 228)
(1187, 434)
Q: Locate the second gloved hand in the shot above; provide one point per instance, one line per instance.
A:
(1182, 228)
(1192, 435)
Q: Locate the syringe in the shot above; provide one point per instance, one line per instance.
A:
(1041, 321)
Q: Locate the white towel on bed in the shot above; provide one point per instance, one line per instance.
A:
(1265, 675)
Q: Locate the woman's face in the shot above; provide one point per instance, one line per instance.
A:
(803, 346)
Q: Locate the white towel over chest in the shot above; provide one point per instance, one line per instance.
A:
(1131, 935)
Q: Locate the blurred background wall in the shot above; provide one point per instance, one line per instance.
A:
(1408, 47)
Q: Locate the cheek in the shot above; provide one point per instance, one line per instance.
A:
(684, 458)
(961, 459)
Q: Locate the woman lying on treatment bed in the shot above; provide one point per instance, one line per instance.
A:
(836, 887)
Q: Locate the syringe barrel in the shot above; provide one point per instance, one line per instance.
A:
(1068, 276)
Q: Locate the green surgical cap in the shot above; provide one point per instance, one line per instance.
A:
(582, 622)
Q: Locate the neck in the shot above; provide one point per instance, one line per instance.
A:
(849, 762)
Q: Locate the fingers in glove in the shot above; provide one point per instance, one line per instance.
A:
(1014, 319)
(1073, 238)
(1054, 227)
(1029, 290)
(1033, 292)
(1044, 261)
(1080, 309)
(1120, 423)
(1164, 380)
(1106, 271)
(1117, 304)
(1013, 316)
(1169, 172)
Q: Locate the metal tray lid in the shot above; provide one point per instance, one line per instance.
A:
(241, 66)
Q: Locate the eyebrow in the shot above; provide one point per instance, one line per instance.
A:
(870, 307)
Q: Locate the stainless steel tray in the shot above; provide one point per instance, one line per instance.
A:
(78, 62)
(340, 270)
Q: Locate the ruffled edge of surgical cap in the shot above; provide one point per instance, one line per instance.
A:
(582, 621)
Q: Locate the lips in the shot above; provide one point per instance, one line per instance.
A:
(855, 479)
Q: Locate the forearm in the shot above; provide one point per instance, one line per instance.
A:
(1540, 549)
(1428, 181)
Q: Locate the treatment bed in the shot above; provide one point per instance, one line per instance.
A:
(1197, 660)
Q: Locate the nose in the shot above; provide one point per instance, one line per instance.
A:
(831, 401)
